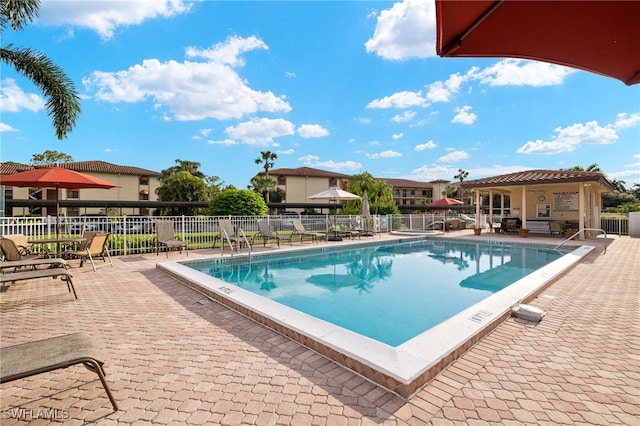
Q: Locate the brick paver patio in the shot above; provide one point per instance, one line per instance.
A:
(174, 357)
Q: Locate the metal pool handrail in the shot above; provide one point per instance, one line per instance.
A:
(582, 230)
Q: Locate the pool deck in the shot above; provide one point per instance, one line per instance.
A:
(175, 357)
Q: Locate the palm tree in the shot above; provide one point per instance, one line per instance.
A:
(267, 158)
(264, 185)
(462, 175)
(62, 102)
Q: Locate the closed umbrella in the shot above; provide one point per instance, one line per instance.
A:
(596, 36)
(366, 210)
(54, 177)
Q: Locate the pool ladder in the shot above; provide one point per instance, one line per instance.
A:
(244, 237)
(582, 231)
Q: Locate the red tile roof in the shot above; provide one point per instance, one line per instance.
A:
(85, 167)
(405, 183)
(304, 171)
(532, 177)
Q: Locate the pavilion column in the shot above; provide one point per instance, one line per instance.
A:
(501, 206)
(477, 207)
(582, 206)
(491, 208)
(523, 207)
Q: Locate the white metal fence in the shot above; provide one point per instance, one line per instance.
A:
(136, 234)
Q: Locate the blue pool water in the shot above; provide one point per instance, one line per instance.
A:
(390, 293)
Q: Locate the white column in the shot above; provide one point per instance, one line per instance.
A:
(523, 208)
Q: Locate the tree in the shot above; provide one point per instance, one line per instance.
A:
(181, 186)
(592, 168)
(62, 102)
(237, 202)
(267, 159)
(462, 175)
(50, 157)
(192, 167)
(449, 190)
(379, 192)
(264, 185)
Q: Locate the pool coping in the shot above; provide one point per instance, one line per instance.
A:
(404, 369)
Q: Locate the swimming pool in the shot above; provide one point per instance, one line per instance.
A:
(403, 365)
(389, 293)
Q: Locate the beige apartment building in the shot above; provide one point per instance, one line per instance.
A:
(134, 184)
(297, 184)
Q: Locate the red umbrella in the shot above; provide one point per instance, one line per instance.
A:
(54, 177)
(445, 202)
(596, 36)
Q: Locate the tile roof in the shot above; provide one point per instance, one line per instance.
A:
(305, 171)
(406, 183)
(83, 166)
(531, 177)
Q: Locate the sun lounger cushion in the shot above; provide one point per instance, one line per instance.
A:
(41, 356)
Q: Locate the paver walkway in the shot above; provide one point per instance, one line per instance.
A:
(174, 357)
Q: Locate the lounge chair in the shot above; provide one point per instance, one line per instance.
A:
(339, 231)
(555, 228)
(14, 252)
(21, 242)
(302, 232)
(53, 262)
(13, 277)
(230, 235)
(41, 356)
(95, 247)
(264, 232)
(166, 237)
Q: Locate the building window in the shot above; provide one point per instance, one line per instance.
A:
(144, 180)
(282, 180)
(333, 182)
(144, 211)
(73, 211)
(8, 194)
(73, 194)
(144, 195)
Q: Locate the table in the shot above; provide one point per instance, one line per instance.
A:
(57, 242)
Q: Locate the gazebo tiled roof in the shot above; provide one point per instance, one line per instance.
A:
(538, 177)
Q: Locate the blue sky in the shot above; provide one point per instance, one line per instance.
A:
(341, 86)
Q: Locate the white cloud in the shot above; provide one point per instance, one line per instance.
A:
(464, 116)
(342, 167)
(404, 117)
(191, 90)
(289, 74)
(569, 138)
(624, 120)
(363, 120)
(312, 131)
(4, 127)
(287, 152)
(406, 30)
(403, 99)
(443, 91)
(383, 154)
(225, 142)
(104, 17)
(453, 156)
(14, 99)
(260, 131)
(308, 159)
(518, 72)
(397, 136)
(426, 145)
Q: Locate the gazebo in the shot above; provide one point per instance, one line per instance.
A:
(539, 197)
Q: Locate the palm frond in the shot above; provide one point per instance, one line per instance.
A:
(62, 102)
